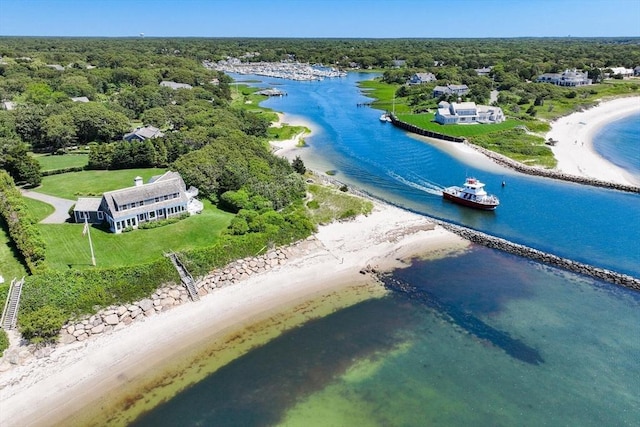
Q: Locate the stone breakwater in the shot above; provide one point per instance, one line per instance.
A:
(517, 166)
(537, 255)
(550, 173)
(114, 318)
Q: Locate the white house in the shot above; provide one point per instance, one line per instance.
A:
(624, 72)
(467, 113)
(163, 197)
(566, 78)
(174, 85)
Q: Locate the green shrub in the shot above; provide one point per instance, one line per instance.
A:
(42, 325)
(313, 204)
(4, 341)
(21, 226)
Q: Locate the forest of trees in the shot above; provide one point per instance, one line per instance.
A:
(121, 79)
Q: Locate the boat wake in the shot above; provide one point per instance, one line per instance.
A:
(419, 183)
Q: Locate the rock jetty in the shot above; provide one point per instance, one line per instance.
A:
(540, 256)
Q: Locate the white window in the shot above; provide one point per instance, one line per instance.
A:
(100, 215)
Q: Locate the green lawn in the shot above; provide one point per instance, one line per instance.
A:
(39, 210)
(10, 265)
(384, 94)
(285, 132)
(67, 247)
(50, 162)
(92, 183)
(425, 121)
(244, 97)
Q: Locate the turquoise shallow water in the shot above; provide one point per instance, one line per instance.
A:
(401, 361)
(619, 142)
(482, 338)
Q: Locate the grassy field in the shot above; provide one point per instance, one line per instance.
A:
(92, 183)
(50, 162)
(425, 121)
(383, 95)
(285, 132)
(67, 248)
(245, 97)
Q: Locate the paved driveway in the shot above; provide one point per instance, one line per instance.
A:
(62, 206)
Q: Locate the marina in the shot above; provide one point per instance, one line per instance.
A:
(282, 70)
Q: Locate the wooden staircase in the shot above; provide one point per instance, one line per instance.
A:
(11, 305)
(185, 277)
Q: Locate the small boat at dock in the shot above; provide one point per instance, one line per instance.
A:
(471, 194)
(385, 118)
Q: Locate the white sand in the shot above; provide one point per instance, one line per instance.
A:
(289, 148)
(46, 391)
(574, 133)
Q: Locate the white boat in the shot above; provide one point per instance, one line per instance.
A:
(385, 118)
(472, 194)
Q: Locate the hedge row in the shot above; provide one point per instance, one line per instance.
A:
(21, 225)
(78, 292)
(64, 170)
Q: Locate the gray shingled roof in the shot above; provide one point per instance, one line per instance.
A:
(87, 204)
(166, 184)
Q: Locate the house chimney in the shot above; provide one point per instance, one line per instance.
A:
(137, 181)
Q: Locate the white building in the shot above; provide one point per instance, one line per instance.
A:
(566, 78)
(174, 85)
(467, 113)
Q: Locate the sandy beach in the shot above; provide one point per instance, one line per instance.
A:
(574, 135)
(94, 373)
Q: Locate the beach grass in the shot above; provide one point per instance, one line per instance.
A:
(328, 204)
(66, 247)
(92, 182)
(49, 162)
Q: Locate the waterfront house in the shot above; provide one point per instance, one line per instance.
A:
(467, 113)
(420, 78)
(141, 134)
(458, 90)
(163, 197)
(621, 71)
(566, 78)
(175, 86)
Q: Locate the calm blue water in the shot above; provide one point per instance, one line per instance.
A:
(619, 142)
(478, 338)
(587, 224)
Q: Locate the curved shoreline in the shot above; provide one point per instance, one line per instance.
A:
(574, 134)
(577, 162)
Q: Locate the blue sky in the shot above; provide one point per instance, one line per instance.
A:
(321, 18)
